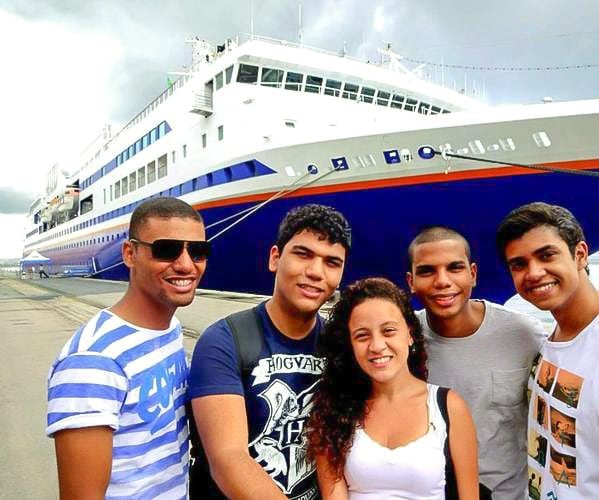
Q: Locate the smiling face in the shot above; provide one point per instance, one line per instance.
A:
(544, 270)
(380, 340)
(308, 271)
(442, 277)
(160, 287)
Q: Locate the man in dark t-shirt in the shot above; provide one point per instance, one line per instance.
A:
(252, 427)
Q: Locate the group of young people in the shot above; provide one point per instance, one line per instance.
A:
(376, 402)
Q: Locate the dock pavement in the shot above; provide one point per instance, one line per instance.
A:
(37, 317)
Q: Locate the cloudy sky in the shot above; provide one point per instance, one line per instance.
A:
(70, 66)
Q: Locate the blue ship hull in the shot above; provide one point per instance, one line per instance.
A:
(384, 220)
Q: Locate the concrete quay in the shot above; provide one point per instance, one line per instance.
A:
(36, 318)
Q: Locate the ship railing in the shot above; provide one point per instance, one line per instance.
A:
(202, 103)
(246, 37)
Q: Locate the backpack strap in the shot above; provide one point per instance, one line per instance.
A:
(451, 487)
(246, 328)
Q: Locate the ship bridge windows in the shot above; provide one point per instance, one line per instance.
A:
(313, 84)
(332, 87)
(424, 108)
(397, 101)
(272, 77)
(410, 104)
(294, 81)
(367, 94)
(382, 98)
(117, 189)
(350, 91)
(125, 185)
(247, 73)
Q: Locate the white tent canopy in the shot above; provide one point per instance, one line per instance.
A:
(34, 258)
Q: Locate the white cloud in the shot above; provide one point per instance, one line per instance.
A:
(13, 230)
(53, 95)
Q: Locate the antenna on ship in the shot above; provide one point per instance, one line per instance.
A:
(251, 19)
(300, 32)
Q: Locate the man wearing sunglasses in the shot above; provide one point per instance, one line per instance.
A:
(251, 421)
(116, 393)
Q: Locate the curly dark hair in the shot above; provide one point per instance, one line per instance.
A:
(318, 218)
(341, 395)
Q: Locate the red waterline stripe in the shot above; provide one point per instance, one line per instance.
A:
(483, 173)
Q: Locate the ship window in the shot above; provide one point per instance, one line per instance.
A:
(313, 84)
(124, 186)
(350, 91)
(332, 87)
(162, 170)
(104, 190)
(228, 74)
(151, 172)
(162, 129)
(424, 108)
(382, 98)
(367, 94)
(117, 189)
(294, 81)
(204, 140)
(184, 150)
(247, 73)
(138, 146)
(87, 204)
(125, 155)
(411, 105)
(272, 77)
(111, 192)
(145, 141)
(141, 177)
(397, 101)
(435, 110)
(446, 111)
(174, 156)
(153, 135)
(132, 182)
(218, 81)
(131, 151)
(221, 132)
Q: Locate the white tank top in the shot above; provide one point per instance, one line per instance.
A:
(415, 471)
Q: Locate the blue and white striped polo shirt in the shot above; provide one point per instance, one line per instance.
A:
(133, 380)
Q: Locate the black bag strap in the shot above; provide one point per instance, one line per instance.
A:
(451, 487)
(246, 328)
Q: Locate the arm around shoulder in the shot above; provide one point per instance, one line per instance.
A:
(84, 461)
(463, 446)
(222, 425)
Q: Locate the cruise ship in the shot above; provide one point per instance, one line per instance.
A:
(256, 126)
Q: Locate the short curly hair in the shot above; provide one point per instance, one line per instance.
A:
(341, 395)
(318, 218)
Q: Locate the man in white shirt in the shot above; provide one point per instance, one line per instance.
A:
(546, 253)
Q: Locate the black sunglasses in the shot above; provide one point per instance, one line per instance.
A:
(170, 250)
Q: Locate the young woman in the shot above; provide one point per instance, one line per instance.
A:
(376, 430)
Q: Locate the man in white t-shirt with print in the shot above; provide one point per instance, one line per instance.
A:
(482, 350)
(546, 253)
